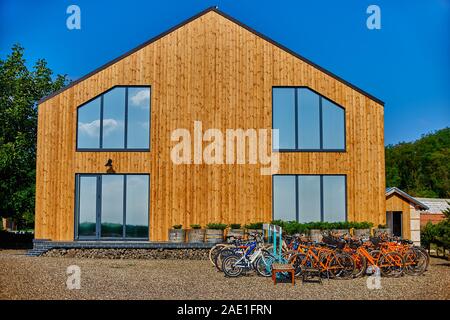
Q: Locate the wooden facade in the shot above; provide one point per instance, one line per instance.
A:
(213, 70)
(396, 203)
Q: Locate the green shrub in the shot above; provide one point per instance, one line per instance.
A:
(428, 234)
(177, 226)
(254, 225)
(196, 226)
(216, 226)
(235, 226)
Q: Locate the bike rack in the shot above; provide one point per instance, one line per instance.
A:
(274, 235)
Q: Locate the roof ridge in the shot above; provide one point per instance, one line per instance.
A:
(177, 26)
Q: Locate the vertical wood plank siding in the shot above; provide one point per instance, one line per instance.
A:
(217, 72)
(396, 203)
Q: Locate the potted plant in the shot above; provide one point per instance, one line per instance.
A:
(235, 231)
(177, 234)
(214, 232)
(339, 228)
(256, 227)
(362, 229)
(315, 230)
(196, 234)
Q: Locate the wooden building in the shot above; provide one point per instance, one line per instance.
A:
(214, 70)
(403, 214)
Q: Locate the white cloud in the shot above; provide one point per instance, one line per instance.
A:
(91, 129)
(111, 125)
(141, 98)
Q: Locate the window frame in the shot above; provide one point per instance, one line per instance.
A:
(125, 148)
(297, 148)
(98, 208)
(297, 213)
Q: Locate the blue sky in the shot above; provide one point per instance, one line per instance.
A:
(406, 63)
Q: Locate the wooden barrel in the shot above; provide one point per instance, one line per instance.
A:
(253, 231)
(214, 236)
(176, 235)
(237, 233)
(315, 235)
(361, 233)
(341, 232)
(196, 235)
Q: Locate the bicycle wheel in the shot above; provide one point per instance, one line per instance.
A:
(338, 265)
(214, 251)
(415, 262)
(263, 265)
(346, 264)
(425, 252)
(360, 265)
(230, 267)
(391, 264)
(300, 261)
(221, 255)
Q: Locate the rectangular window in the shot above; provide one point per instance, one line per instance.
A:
(306, 121)
(118, 119)
(112, 206)
(313, 198)
(334, 198)
(309, 207)
(284, 196)
(87, 206)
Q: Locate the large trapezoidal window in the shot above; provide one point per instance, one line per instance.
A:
(306, 121)
(309, 198)
(112, 206)
(119, 119)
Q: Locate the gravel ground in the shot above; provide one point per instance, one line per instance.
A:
(23, 277)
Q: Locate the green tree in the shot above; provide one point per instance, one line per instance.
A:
(421, 168)
(20, 90)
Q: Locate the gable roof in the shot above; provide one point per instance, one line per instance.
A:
(216, 10)
(435, 205)
(395, 190)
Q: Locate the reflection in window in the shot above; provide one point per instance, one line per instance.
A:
(320, 124)
(284, 198)
(112, 206)
(311, 198)
(138, 118)
(334, 198)
(333, 126)
(114, 119)
(284, 117)
(137, 206)
(308, 119)
(89, 125)
(87, 206)
(118, 119)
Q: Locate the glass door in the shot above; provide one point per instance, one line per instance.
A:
(112, 206)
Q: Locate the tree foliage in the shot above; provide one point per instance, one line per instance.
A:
(421, 168)
(439, 233)
(20, 89)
